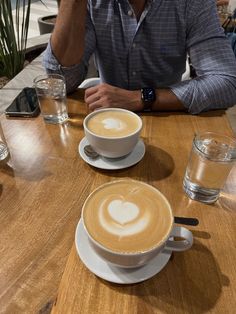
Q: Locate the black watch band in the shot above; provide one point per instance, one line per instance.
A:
(148, 97)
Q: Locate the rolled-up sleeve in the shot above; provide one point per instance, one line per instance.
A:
(74, 74)
(213, 60)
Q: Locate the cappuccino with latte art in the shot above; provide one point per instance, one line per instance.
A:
(127, 216)
(112, 132)
(113, 123)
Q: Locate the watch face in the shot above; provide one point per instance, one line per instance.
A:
(148, 94)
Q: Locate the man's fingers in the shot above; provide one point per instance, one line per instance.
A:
(92, 99)
(95, 106)
(91, 90)
(91, 96)
(95, 93)
(98, 96)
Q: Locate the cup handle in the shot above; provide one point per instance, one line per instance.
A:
(181, 245)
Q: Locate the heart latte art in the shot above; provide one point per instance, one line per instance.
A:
(127, 216)
(122, 218)
(122, 212)
(113, 123)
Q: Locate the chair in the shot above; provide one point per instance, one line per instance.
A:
(90, 82)
(186, 75)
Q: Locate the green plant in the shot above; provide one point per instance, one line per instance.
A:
(13, 41)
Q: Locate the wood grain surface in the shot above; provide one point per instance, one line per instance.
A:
(42, 189)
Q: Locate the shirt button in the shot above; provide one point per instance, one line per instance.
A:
(130, 13)
(133, 73)
(134, 45)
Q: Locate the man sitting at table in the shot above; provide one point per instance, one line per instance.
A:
(140, 48)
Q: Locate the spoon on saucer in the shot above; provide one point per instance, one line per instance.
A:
(90, 152)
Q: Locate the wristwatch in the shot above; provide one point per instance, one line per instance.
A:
(148, 96)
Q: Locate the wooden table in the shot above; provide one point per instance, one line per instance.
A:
(42, 190)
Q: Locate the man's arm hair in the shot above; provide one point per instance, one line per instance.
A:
(68, 37)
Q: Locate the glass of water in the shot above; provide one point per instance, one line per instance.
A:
(4, 152)
(51, 92)
(211, 159)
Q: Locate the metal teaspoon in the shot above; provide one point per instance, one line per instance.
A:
(90, 152)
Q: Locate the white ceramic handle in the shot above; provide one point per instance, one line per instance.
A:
(181, 245)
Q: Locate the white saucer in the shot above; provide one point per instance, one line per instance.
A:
(111, 273)
(116, 163)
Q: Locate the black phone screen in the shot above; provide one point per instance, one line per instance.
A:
(25, 104)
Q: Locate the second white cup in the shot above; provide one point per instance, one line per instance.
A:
(112, 132)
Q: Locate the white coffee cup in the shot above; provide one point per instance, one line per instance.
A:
(129, 222)
(112, 132)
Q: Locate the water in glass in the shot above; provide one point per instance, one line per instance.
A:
(51, 93)
(208, 168)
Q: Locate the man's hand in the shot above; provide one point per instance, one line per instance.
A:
(105, 96)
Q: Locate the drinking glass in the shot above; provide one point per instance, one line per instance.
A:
(211, 159)
(51, 92)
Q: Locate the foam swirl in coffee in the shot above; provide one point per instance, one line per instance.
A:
(127, 216)
(113, 123)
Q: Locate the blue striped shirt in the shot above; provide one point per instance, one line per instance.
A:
(152, 52)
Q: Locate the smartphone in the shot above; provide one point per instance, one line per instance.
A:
(24, 105)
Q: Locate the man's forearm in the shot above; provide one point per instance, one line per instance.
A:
(69, 33)
(166, 100)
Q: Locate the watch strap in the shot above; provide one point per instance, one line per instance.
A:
(148, 97)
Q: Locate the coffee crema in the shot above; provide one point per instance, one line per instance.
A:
(127, 216)
(112, 123)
